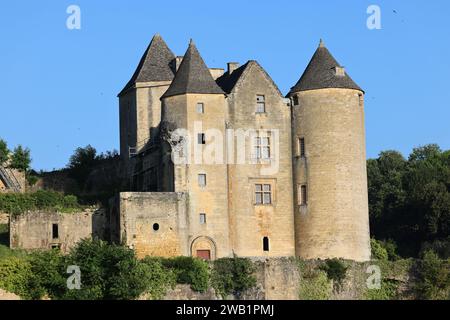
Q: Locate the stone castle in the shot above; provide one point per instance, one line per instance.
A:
(221, 162)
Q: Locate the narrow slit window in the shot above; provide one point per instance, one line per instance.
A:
(55, 231)
(266, 244)
(201, 138)
(301, 143)
(303, 195)
(202, 218)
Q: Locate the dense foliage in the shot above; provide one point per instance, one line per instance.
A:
(191, 271)
(409, 200)
(17, 203)
(84, 161)
(233, 276)
(336, 270)
(434, 277)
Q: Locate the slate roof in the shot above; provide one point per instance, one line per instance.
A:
(228, 81)
(193, 76)
(155, 64)
(320, 73)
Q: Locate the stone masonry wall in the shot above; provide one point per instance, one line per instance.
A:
(34, 230)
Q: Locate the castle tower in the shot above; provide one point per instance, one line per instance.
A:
(195, 103)
(139, 100)
(329, 163)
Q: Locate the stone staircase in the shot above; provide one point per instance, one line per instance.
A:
(9, 179)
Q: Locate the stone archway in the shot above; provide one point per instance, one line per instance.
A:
(203, 247)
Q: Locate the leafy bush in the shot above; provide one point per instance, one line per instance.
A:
(17, 203)
(433, 277)
(388, 290)
(159, 278)
(189, 270)
(233, 275)
(378, 251)
(314, 283)
(335, 270)
(107, 271)
(15, 275)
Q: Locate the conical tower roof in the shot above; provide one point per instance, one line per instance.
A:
(154, 64)
(193, 76)
(321, 73)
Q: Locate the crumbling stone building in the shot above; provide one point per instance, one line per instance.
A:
(221, 162)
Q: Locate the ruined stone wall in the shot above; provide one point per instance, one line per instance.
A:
(251, 222)
(335, 221)
(34, 230)
(154, 224)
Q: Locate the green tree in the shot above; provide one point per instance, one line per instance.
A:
(81, 164)
(4, 152)
(21, 158)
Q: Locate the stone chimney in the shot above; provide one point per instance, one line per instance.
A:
(232, 66)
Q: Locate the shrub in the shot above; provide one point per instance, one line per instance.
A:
(378, 251)
(233, 275)
(49, 274)
(314, 283)
(15, 275)
(107, 271)
(433, 277)
(388, 290)
(159, 278)
(335, 270)
(189, 270)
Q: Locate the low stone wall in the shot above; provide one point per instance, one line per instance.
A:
(281, 279)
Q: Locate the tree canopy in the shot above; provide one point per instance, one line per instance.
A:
(409, 199)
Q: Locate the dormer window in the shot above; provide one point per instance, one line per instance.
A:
(340, 72)
(260, 104)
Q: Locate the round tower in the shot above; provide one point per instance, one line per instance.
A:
(329, 165)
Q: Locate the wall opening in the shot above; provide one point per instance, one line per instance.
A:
(156, 226)
(55, 231)
(266, 243)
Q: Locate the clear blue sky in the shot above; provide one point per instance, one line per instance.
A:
(58, 86)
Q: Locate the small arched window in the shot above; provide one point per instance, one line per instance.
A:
(266, 243)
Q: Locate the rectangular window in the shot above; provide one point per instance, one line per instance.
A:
(263, 194)
(260, 104)
(200, 107)
(201, 138)
(202, 218)
(261, 148)
(202, 180)
(55, 233)
(302, 196)
(301, 147)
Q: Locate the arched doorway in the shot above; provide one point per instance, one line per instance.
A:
(203, 247)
